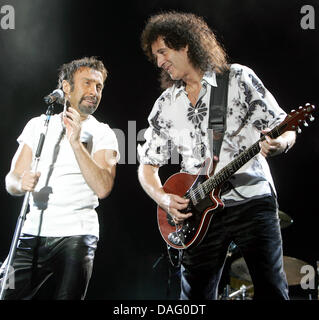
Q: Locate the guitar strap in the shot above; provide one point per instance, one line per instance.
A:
(216, 129)
(218, 114)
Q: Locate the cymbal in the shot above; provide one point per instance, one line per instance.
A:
(284, 219)
(239, 270)
(292, 267)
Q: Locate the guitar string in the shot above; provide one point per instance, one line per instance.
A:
(222, 174)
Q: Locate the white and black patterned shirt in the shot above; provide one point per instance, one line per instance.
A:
(174, 122)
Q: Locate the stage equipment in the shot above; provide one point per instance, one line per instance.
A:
(25, 204)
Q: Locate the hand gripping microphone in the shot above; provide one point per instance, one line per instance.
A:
(56, 96)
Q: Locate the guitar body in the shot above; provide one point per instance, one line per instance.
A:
(193, 229)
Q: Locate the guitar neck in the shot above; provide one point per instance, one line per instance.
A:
(291, 122)
(225, 173)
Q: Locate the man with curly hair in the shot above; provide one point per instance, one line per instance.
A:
(190, 58)
(77, 167)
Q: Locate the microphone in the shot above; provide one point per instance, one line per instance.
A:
(55, 96)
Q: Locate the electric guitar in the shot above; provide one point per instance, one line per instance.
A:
(204, 189)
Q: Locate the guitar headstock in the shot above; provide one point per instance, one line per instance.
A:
(298, 117)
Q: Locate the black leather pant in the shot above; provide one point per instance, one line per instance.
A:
(68, 259)
(254, 228)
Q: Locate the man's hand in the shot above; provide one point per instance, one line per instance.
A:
(271, 147)
(29, 181)
(72, 121)
(172, 204)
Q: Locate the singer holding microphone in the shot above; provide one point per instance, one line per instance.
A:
(77, 167)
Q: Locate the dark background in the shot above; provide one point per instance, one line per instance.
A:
(264, 35)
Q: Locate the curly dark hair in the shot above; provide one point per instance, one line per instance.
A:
(67, 70)
(179, 30)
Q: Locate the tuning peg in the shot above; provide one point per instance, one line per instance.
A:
(307, 104)
(298, 130)
(293, 110)
(305, 124)
(300, 107)
(311, 118)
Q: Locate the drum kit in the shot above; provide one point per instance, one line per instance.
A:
(239, 285)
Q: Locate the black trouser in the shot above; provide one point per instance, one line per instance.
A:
(68, 259)
(254, 228)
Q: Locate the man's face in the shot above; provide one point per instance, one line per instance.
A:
(87, 90)
(175, 63)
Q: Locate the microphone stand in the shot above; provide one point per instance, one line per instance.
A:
(23, 211)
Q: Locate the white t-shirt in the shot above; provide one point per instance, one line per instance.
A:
(62, 203)
(174, 122)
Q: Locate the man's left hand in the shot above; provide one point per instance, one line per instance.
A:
(72, 121)
(271, 147)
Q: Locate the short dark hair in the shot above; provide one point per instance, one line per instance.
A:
(179, 30)
(67, 70)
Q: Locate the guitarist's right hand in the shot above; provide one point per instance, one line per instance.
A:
(172, 204)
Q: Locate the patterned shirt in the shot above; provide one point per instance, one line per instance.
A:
(174, 122)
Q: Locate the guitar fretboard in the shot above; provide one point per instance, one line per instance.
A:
(202, 190)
